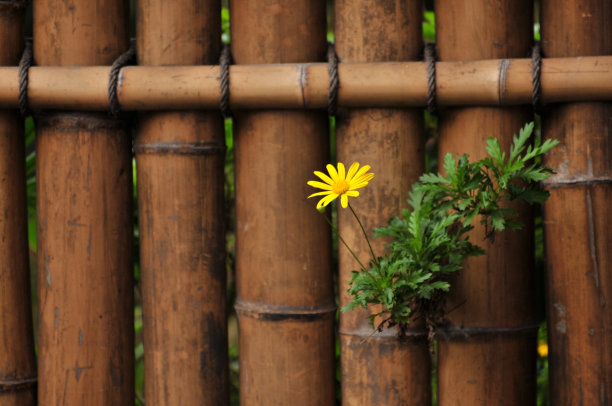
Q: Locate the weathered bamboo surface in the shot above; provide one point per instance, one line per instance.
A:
(84, 216)
(378, 369)
(285, 303)
(577, 220)
(495, 82)
(180, 157)
(17, 359)
(487, 350)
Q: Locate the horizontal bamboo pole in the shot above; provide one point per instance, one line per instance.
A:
(496, 82)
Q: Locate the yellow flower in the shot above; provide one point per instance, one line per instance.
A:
(340, 183)
(543, 349)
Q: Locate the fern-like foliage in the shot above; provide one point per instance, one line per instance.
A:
(430, 241)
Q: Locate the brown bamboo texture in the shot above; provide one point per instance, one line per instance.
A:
(487, 350)
(378, 369)
(577, 221)
(180, 167)
(17, 360)
(497, 82)
(84, 208)
(285, 302)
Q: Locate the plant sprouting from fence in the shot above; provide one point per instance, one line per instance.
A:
(430, 240)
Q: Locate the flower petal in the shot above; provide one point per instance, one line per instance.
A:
(327, 200)
(344, 201)
(324, 177)
(332, 172)
(358, 186)
(341, 171)
(352, 170)
(363, 178)
(361, 171)
(324, 193)
(352, 193)
(319, 185)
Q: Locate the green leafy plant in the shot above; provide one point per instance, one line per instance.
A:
(430, 240)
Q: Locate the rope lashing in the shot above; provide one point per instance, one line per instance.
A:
(225, 60)
(430, 59)
(27, 58)
(113, 77)
(536, 70)
(334, 80)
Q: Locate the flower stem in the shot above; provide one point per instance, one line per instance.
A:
(343, 242)
(364, 234)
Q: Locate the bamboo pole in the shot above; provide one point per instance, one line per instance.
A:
(497, 82)
(84, 207)
(285, 302)
(17, 359)
(378, 368)
(486, 352)
(578, 225)
(180, 158)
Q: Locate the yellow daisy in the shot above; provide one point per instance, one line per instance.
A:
(340, 183)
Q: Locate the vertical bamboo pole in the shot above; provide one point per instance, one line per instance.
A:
(84, 207)
(578, 225)
(486, 354)
(285, 300)
(17, 360)
(379, 368)
(180, 158)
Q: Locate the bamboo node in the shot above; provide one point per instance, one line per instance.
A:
(265, 312)
(196, 149)
(17, 384)
(559, 181)
(460, 333)
(504, 65)
(113, 77)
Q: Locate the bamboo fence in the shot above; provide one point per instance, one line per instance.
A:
(180, 162)
(285, 302)
(279, 85)
(578, 225)
(493, 82)
(17, 360)
(486, 352)
(391, 141)
(84, 215)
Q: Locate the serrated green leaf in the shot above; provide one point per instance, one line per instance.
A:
(494, 150)
(498, 222)
(450, 165)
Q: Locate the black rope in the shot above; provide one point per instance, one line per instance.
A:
(536, 70)
(113, 77)
(430, 59)
(334, 80)
(224, 80)
(26, 61)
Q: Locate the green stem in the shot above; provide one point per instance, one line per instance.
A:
(364, 233)
(343, 242)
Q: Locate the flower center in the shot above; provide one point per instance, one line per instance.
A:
(341, 187)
